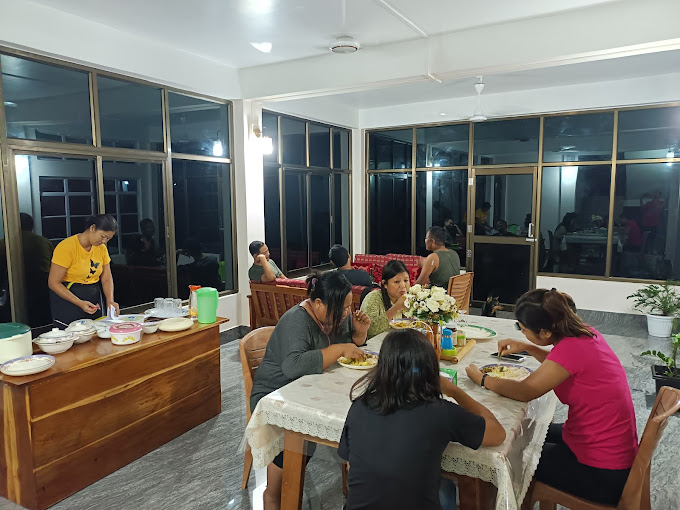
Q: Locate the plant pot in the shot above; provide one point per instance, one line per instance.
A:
(661, 379)
(660, 325)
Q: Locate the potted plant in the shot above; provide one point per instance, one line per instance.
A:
(666, 374)
(662, 302)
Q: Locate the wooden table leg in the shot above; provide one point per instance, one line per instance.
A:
(475, 494)
(293, 471)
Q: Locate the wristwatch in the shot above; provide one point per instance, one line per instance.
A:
(482, 383)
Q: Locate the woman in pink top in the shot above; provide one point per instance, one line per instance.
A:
(591, 454)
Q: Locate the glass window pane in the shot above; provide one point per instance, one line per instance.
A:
(506, 142)
(341, 148)
(45, 102)
(296, 220)
(647, 244)
(47, 218)
(198, 126)
(502, 203)
(293, 142)
(649, 133)
(5, 305)
(203, 230)
(272, 213)
(442, 146)
(320, 218)
(390, 149)
(441, 200)
(389, 204)
(130, 115)
(501, 270)
(270, 128)
(574, 219)
(586, 137)
(319, 145)
(341, 214)
(138, 259)
(79, 185)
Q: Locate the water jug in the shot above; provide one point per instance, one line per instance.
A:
(206, 300)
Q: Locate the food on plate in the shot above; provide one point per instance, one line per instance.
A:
(369, 360)
(408, 323)
(506, 372)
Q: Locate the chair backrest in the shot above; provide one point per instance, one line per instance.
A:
(460, 287)
(636, 491)
(252, 348)
(271, 301)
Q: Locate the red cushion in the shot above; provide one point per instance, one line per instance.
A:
(363, 267)
(362, 258)
(409, 260)
(377, 273)
(290, 282)
(413, 273)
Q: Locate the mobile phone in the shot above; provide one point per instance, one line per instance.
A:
(517, 358)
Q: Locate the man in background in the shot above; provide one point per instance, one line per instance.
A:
(340, 258)
(263, 269)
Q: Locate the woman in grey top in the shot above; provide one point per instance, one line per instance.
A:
(442, 263)
(308, 339)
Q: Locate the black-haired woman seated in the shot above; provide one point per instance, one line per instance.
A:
(399, 425)
(388, 303)
(591, 454)
(308, 339)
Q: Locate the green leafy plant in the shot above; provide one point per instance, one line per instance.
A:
(657, 298)
(669, 361)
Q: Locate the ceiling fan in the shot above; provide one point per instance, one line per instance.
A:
(478, 116)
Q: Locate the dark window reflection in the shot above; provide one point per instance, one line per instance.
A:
(341, 214)
(320, 218)
(506, 141)
(390, 149)
(270, 128)
(131, 116)
(55, 197)
(319, 145)
(202, 194)
(647, 243)
(133, 193)
(389, 204)
(442, 146)
(272, 213)
(441, 200)
(45, 102)
(198, 126)
(649, 133)
(293, 141)
(296, 220)
(501, 270)
(574, 219)
(341, 150)
(5, 305)
(503, 204)
(585, 137)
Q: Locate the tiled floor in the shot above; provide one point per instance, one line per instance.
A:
(201, 470)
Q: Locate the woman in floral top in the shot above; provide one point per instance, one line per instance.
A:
(387, 303)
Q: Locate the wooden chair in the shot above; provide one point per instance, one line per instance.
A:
(252, 348)
(636, 491)
(460, 287)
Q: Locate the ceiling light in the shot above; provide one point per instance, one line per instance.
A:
(259, 6)
(442, 114)
(344, 44)
(264, 47)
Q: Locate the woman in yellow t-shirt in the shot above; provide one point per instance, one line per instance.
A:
(80, 272)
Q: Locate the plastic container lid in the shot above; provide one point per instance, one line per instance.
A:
(12, 329)
(56, 335)
(204, 291)
(125, 327)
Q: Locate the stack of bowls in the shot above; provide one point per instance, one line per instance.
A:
(83, 329)
(55, 341)
(102, 326)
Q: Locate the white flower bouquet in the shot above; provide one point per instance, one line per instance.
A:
(430, 304)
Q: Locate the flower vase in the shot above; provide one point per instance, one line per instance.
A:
(434, 336)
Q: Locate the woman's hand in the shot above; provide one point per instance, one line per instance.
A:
(360, 323)
(399, 304)
(474, 373)
(352, 351)
(88, 307)
(510, 346)
(115, 306)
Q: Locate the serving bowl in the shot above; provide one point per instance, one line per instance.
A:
(83, 329)
(55, 341)
(102, 326)
(126, 333)
(150, 327)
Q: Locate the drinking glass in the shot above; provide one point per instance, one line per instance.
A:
(158, 303)
(177, 304)
(168, 303)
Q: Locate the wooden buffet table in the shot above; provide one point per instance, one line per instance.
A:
(100, 407)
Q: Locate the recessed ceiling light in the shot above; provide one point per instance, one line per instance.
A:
(264, 47)
(442, 114)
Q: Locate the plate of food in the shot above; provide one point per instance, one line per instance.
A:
(407, 323)
(478, 332)
(369, 361)
(506, 371)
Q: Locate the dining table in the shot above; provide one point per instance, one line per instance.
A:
(313, 409)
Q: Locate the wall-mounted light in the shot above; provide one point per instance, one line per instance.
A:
(265, 143)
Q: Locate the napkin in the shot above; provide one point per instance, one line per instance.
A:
(111, 314)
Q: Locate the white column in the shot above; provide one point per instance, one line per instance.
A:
(359, 218)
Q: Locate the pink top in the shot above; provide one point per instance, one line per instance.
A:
(600, 428)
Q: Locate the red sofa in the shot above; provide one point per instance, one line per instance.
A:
(374, 264)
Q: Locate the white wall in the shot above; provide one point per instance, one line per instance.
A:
(598, 295)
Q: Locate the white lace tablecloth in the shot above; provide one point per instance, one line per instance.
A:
(317, 405)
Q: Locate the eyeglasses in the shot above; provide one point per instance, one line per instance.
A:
(518, 327)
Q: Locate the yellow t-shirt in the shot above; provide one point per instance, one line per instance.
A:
(81, 266)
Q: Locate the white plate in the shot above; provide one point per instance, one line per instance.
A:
(175, 324)
(135, 317)
(359, 367)
(167, 314)
(478, 332)
(28, 365)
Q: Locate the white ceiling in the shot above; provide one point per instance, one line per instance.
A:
(222, 30)
(587, 72)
